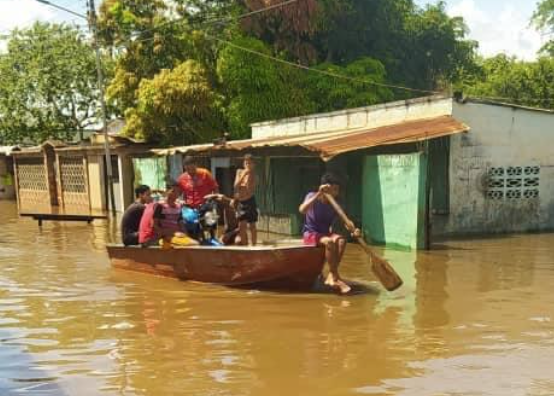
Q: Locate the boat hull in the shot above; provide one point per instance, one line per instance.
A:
(268, 267)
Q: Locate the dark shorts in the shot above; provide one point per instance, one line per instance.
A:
(131, 239)
(248, 211)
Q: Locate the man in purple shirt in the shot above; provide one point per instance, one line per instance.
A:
(320, 217)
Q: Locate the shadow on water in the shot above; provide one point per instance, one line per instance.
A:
(358, 288)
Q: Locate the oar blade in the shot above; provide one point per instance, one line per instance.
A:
(385, 273)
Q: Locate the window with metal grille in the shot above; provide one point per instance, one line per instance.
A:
(513, 182)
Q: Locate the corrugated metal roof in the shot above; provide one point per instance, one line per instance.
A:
(331, 144)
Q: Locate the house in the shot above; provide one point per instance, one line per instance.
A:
(73, 177)
(501, 174)
(392, 157)
(413, 170)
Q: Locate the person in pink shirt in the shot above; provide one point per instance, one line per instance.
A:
(163, 220)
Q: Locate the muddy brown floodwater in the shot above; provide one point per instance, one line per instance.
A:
(475, 317)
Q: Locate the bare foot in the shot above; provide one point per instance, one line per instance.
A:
(342, 286)
(330, 280)
(337, 284)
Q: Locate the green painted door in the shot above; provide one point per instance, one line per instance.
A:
(394, 199)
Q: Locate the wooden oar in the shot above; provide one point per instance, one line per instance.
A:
(381, 267)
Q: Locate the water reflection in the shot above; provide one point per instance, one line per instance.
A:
(469, 313)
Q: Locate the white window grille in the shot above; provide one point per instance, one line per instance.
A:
(513, 182)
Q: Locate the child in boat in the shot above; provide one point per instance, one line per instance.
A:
(162, 222)
(247, 210)
(319, 219)
(231, 233)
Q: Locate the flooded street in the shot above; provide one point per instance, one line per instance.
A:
(474, 318)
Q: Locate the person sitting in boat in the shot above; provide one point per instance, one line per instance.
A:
(196, 183)
(133, 214)
(231, 233)
(247, 210)
(319, 219)
(162, 222)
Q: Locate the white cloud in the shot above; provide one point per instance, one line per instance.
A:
(23, 13)
(505, 31)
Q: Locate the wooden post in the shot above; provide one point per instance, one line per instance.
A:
(85, 174)
(61, 199)
(16, 183)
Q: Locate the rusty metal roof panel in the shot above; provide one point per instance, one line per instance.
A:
(407, 132)
(331, 144)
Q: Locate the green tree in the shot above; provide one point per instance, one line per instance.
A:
(380, 41)
(47, 85)
(436, 51)
(543, 18)
(262, 89)
(511, 80)
(258, 88)
(329, 93)
(290, 28)
(143, 42)
(175, 107)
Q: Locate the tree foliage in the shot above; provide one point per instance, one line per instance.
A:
(260, 89)
(176, 106)
(511, 80)
(47, 85)
(543, 18)
(362, 89)
(174, 61)
(257, 88)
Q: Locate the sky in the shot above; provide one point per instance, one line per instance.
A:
(500, 26)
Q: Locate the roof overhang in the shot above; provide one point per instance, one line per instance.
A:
(330, 144)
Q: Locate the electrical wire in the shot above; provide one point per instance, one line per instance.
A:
(323, 72)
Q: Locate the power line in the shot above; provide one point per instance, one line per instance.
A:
(282, 61)
(260, 54)
(323, 72)
(215, 21)
(59, 7)
(252, 13)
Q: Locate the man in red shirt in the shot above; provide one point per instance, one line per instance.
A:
(196, 183)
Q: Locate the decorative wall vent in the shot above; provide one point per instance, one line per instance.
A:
(513, 182)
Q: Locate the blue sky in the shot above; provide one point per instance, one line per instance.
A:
(500, 26)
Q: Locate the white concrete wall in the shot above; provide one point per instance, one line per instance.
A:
(363, 117)
(500, 136)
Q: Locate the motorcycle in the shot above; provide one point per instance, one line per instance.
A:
(201, 223)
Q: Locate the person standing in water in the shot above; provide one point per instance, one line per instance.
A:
(247, 209)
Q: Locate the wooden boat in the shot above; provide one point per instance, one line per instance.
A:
(262, 267)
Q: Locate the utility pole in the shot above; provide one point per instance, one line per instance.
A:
(109, 169)
(91, 18)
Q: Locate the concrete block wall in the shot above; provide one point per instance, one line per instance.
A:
(501, 137)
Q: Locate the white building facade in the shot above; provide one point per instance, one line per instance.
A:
(501, 172)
